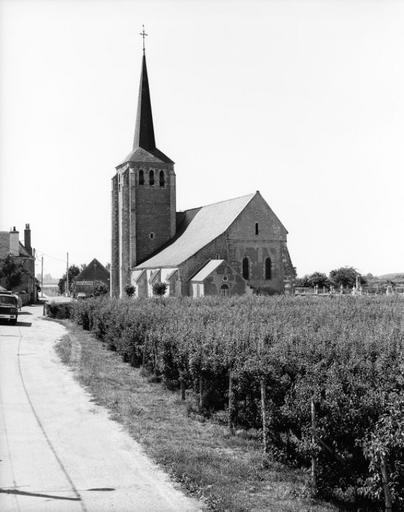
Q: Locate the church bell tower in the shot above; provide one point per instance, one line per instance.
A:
(143, 197)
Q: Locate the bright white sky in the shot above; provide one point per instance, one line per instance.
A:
(301, 100)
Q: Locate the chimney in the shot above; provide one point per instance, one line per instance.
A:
(27, 239)
(14, 242)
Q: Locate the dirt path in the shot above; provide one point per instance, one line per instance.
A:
(58, 450)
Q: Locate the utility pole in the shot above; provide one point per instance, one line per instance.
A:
(67, 275)
(42, 276)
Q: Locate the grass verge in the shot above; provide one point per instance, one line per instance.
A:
(226, 472)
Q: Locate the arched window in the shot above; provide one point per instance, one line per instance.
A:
(246, 268)
(224, 290)
(162, 179)
(151, 177)
(141, 177)
(256, 228)
(268, 268)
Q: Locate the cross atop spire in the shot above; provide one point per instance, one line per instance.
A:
(143, 34)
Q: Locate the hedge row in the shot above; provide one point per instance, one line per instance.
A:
(322, 380)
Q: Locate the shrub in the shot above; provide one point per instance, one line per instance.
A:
(129, 290)
(159, 289)
(60, 310)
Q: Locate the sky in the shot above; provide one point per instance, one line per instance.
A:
(301, 100)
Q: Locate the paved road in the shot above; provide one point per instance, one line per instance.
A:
(58, 451)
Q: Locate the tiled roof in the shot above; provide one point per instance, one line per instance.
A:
(207, 270)
(23, 251)
(94, 271)
(209, 222)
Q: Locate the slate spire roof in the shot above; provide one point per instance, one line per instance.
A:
(144, 143)
(144, 130)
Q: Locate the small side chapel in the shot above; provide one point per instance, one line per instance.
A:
(234, 247)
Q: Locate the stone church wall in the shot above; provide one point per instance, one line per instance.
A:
(115, 239)
(258, 234)
(152, 211)
(224, 275)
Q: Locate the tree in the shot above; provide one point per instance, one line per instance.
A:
(303, 281)
(345, 276)
(72, 272)
(159, 289)
(318, 279)
(12, 272)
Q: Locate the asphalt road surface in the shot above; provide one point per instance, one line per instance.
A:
(59, 452)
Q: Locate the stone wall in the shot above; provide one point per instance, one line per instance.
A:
(114, 239)
(224, 275)
(258, 234)
(153, 210)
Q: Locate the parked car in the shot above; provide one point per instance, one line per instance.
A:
(9, 307)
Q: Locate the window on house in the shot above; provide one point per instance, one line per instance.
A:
(246, 268)
(151, 178)
(268, 268)
(141, 177)
(162, 179)
(256, 228)
(152, 235)
(224, 290)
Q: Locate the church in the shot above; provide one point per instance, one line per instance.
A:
(233, 247)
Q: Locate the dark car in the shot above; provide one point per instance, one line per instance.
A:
(9, 307)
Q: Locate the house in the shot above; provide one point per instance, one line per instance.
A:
(90, 278)
(23, 254)
(232, 247)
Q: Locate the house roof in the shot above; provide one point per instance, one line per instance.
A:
(94, 271)
(208, 223)
(207, 270)
(23, 251)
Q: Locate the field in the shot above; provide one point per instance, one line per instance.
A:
(318, 381)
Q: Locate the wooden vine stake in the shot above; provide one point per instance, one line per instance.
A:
(200, 392)
(263, 397)
(314, 442)
(388, 506)
(144, 351)
(231, 403)
(264, 415)
(182, 385)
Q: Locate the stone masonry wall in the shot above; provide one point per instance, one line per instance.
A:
(244, 241)
(114, 239)
(153, 209)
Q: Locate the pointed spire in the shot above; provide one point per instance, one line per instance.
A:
(144, 131)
